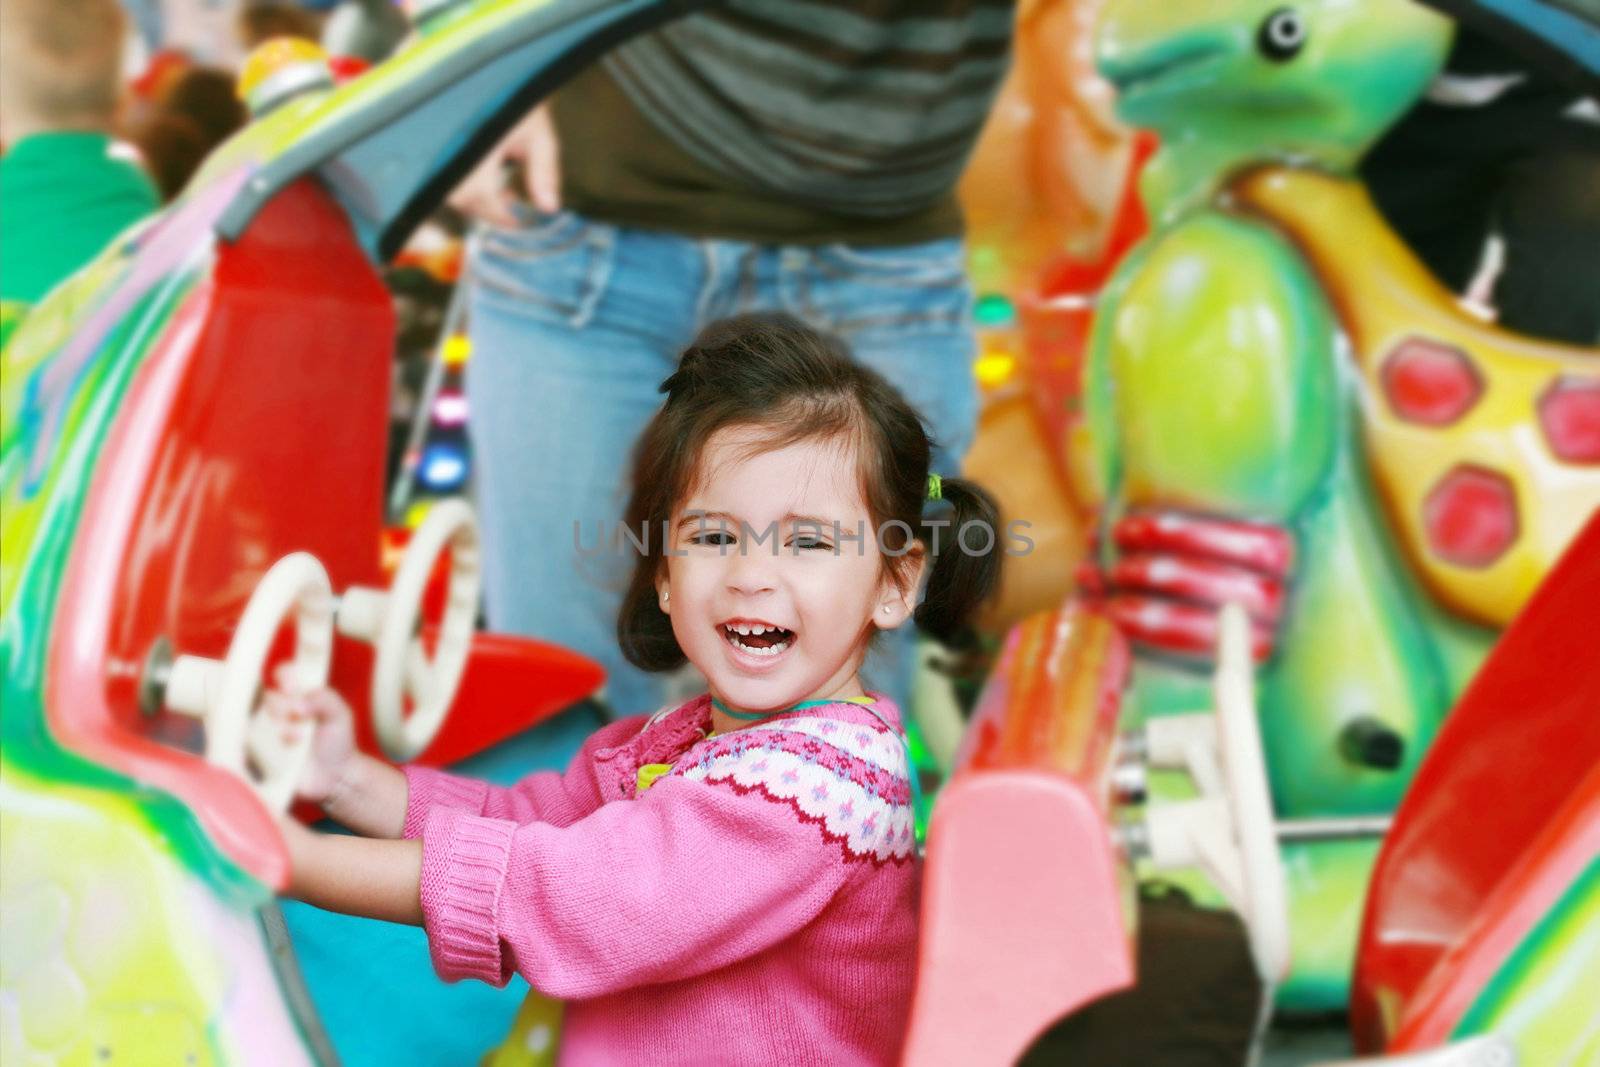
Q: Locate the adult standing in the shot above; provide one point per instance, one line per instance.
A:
(765, 154)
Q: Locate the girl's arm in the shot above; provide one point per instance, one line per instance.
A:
(375, 799)
(370, 798)
(379, 878)
(355, 875)
(560, 798)
(694, 876)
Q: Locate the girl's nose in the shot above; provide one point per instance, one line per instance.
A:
(751, 571)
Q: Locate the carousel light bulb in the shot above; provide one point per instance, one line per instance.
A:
(444, 467)
(993, 310)
(450, 408)
(457, 350)
(994, 368)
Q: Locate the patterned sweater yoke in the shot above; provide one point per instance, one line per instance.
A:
(771, 875)
(847, 776)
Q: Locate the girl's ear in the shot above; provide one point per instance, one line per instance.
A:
(663, 591)
(897, 590)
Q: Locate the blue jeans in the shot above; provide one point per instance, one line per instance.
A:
(575, 323)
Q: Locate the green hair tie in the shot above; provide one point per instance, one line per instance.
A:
(935, 487)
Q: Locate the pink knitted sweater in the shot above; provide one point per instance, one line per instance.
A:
(757, 905)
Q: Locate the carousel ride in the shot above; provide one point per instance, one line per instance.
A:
(1298, 493)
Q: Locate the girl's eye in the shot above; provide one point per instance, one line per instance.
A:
(711, 537)
(809, 542)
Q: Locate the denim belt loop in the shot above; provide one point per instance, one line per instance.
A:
(708, 289)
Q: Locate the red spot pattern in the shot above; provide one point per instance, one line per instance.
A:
(1569, 415)
(1470, 516)
(1429, 382)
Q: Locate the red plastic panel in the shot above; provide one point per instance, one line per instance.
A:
(1022, 918)
(1522, 741)
(1548, 868)
(1022, 909)
(510, 683)
(1052, 701)
(256, 427)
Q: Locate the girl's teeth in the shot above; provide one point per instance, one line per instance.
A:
(747, 630)
(769, 650)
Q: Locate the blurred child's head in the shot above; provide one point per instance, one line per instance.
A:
(781, 488)
(60, 65)
(259, 21)
(190, 115)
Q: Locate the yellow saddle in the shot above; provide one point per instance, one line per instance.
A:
(1484, 444)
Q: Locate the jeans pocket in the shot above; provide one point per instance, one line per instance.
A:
(554, 269)
(853, 290)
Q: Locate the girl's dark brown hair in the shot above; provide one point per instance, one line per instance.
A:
(798, 384)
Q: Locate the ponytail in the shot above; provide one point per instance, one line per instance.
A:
(966, 558)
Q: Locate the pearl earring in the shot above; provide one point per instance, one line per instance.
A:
(887, 608)
(666, 598)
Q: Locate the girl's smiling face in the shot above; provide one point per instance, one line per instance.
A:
(766, 598)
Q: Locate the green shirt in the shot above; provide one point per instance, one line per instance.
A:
(63, 197)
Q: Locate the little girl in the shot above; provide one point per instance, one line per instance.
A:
(732, 880)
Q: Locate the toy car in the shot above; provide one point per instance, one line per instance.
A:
(193, 451)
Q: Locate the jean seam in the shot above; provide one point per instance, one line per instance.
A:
(532, 241)
(897, 321)
(708, 288)
(604, 242)
(596, 245)
(849, 260)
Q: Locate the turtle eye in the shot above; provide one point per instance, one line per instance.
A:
(1282, 34)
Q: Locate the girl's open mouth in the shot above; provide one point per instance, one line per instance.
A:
(758, 639)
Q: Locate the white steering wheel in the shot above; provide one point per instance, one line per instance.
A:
(390, 621)
(1230, 831)
(223, 693)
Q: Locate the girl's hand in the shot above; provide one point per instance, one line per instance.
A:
(365, 794)
(333, 756)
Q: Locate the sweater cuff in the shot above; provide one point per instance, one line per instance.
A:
(427, 789)
(464, 860)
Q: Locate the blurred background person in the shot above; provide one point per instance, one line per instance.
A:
(263, 20)
(186, 118)
(67, 186)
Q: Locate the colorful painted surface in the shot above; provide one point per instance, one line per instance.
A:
(1480, 916)
(127, 933)
(1049, 207)
(1283, 409)
(113, 952)
(1543, 998)
(157, 414)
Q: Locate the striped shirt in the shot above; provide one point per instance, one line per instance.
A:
(865, 110)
